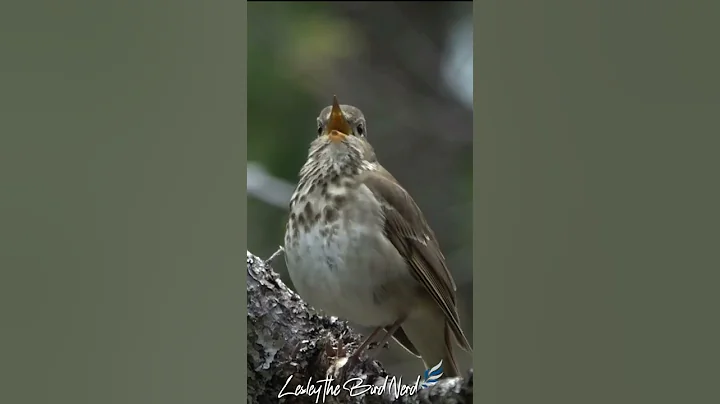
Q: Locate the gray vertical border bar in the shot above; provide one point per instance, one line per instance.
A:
(482, 159)
(595, 202)
(122, 278)
(242, 76)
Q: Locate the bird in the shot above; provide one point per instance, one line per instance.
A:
(358, 247)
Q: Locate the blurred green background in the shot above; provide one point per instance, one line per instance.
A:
(408, 66)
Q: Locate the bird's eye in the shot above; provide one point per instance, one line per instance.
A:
(319, 130)
(361, 130)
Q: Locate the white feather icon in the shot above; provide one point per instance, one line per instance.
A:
(432, 375)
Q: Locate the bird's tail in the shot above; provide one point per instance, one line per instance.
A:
(450, 367)
(434, 340)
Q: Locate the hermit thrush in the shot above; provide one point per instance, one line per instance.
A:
(358, 247)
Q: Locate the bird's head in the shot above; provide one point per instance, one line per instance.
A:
(342, 135)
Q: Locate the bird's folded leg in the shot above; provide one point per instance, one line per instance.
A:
(394, 327)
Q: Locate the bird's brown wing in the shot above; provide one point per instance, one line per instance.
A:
(406, 228)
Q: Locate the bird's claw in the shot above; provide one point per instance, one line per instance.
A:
(346, 368)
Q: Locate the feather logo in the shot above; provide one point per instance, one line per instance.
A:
(432, 375)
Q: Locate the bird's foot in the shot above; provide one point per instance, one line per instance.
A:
(346, 369)
(345, 365)
(341, 365)
(374, 348)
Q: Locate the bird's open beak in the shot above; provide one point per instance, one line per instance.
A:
(337, 126)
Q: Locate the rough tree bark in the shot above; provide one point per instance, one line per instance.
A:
(286, 339)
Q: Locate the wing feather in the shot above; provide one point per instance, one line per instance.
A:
(407, 229)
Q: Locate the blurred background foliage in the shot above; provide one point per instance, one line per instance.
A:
(408, 66)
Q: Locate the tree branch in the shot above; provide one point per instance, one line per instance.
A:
(288, 345)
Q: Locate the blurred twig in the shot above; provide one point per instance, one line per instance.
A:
(267, 188)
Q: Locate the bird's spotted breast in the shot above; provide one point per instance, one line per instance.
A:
(330, 214)
(339, 201)
(344, 254)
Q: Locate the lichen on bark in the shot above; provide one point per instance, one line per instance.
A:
(288, 340)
